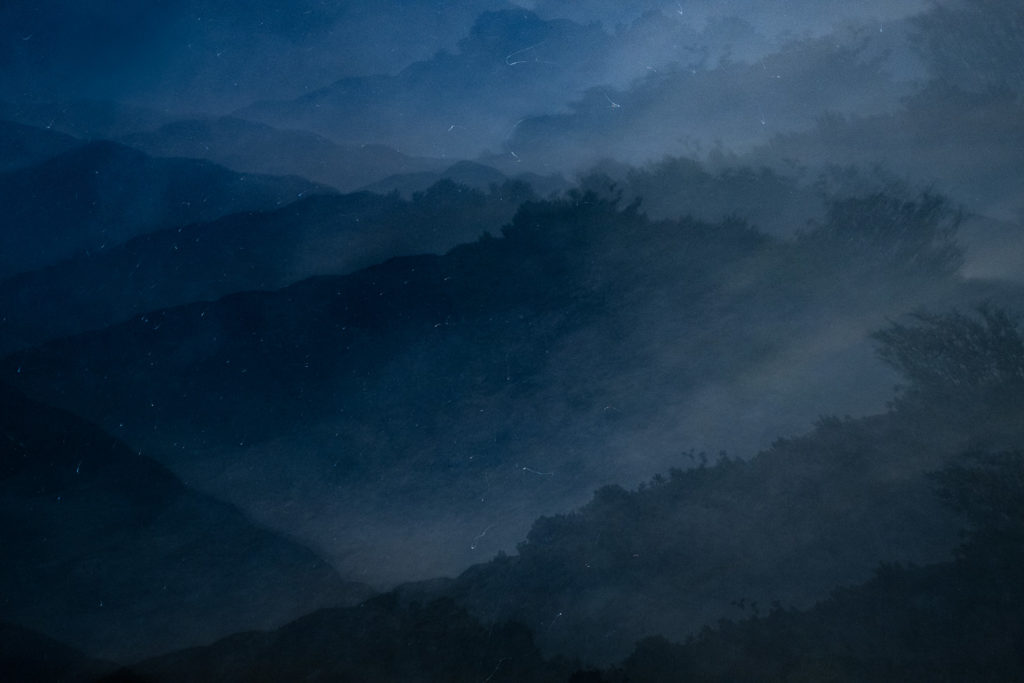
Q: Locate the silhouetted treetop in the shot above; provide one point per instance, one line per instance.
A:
(889, 229)
(953, 352)
(988, 490)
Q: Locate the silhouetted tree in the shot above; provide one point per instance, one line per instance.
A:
(887, 229)
(956, 357)
(988, 490)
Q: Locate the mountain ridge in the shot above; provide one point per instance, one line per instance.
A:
(101, 539)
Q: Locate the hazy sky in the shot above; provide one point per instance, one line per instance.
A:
(211, 56)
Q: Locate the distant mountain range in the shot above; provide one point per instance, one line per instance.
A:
(470, 174)
(203, 261)
(257, 148)
(22, 145)
(458, 104)
(86, 119)
(730, 106)
(213, 56)
(100, 194)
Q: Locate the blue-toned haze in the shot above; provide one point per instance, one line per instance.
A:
(303, 302)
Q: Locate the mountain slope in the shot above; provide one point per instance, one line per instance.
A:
(959, 620)
(256, 148)
(85, 119)
(681, 553)
(318, 235)
(22, 146)
(100, 194)
(444, 106)
(107, 551)
(28, 657)
(469, 174)
(380, 640)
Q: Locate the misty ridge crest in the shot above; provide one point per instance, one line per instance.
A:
(254, 250)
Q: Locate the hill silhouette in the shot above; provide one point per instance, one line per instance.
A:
(100, 194)
(252, 250)
(107, 551)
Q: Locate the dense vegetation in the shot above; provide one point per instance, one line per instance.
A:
(953, 621)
